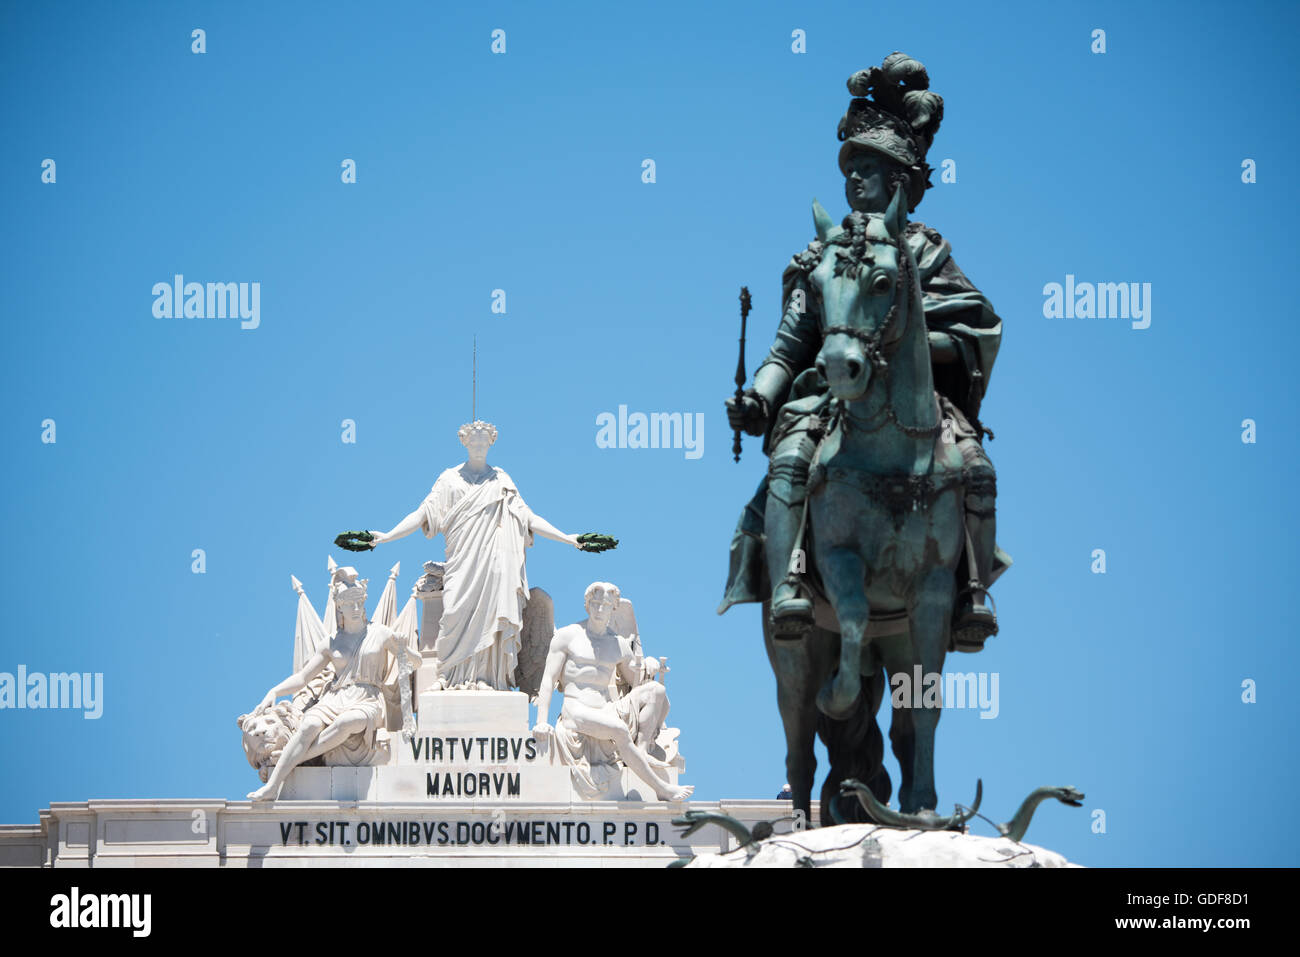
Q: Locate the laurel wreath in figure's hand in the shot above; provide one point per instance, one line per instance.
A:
(596, 542)
(355, 541)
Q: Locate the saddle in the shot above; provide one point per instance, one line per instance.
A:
(900, 494)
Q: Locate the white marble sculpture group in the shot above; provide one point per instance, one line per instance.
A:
(599, 725)
(357, 679)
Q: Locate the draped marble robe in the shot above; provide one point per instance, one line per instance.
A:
(486, 529)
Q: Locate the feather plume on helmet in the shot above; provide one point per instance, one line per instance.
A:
(895, 115)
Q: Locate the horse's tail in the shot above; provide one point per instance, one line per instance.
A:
(857, 750)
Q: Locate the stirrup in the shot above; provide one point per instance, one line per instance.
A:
(973, 626)
(975, 585)
(796, 618)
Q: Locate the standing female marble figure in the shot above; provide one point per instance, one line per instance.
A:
(353, 702)
(487, 526)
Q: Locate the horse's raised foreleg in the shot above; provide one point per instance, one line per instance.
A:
(844, 576)
(930, 621)
(797, 679)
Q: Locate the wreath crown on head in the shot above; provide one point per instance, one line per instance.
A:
(478, 425)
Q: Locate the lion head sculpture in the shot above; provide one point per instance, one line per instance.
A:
(266, 734)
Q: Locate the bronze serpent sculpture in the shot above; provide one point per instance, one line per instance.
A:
(692, 821)
(925, 821)
(1014, 829)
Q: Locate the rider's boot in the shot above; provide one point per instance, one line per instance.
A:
(792, 607)
(973, 621)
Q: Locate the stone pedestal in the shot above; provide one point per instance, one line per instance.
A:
(217, 833)
(470, 712)
(866, 845)
(469, 746)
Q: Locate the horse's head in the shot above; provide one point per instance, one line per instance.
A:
(858, 280)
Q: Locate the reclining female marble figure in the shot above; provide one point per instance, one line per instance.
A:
(594, 730)
(352, 704)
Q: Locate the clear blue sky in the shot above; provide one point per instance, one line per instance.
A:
(523, 172)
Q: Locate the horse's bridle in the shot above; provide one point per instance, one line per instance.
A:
(879, 347)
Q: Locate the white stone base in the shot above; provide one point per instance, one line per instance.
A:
(364, 834)
(464, 834)
(472, 712)
(865, 845)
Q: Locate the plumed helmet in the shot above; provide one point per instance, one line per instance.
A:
(894, 114)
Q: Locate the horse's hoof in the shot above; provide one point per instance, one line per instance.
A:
(836, 707)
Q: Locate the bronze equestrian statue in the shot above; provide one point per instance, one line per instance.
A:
(868, 402)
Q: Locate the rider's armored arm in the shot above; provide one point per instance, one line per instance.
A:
(772, 380)
(798, 338)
